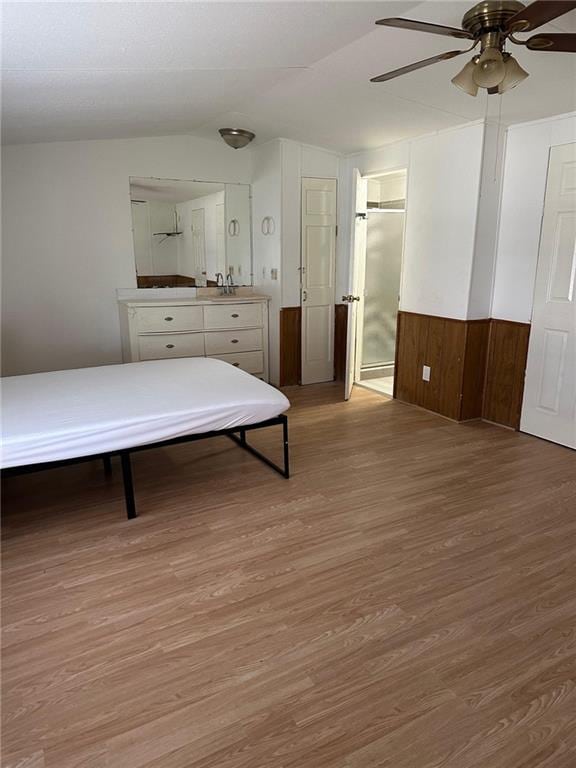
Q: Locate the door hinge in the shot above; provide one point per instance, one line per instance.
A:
(336, 230)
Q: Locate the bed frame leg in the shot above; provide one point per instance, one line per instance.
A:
(107, 463)
(242, 437)
(286, 447)
(128, 485)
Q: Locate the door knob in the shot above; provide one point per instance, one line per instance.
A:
(349, 298)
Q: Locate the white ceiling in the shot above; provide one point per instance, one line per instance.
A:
(90, 70)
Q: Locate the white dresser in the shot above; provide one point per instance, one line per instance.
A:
(232, 329)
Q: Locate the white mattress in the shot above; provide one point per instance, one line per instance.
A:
(68, 414)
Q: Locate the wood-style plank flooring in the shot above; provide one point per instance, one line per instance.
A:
(406, 600)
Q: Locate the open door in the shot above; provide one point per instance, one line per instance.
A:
(355, 297)
(550, 390)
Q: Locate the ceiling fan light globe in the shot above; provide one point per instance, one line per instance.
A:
(490, 70)
(465, 78)
(514, 75)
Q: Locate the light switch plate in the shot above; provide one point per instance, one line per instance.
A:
(425, 373)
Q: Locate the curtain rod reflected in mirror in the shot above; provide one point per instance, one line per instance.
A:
(187, 232)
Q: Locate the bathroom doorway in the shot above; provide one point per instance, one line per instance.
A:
(378, 311)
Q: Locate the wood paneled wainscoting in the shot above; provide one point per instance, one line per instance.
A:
(456, 352)
(291, 344)
(477, 366)
(340, 337)
(505, 367)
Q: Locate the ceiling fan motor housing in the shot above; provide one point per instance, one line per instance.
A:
(491, 16)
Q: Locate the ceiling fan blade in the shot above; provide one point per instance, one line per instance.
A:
(416, 65)
(424, 26)
(538, 13)
(559, 43)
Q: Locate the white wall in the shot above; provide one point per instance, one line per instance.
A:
(267, 201)
(67, 240)
(443, 189)
(524, 186)
(279, 166)
(444, 171)
(483, 267)
(164, 249)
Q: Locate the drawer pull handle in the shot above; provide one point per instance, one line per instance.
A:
(169, 346)
(168, 318)
(235, 315)
(233, 341)
(235, 365)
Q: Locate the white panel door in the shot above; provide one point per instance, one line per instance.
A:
(318, 279)
(356, 285)
(220, 239)
(198, 243)
(549, 407)
(142, 238)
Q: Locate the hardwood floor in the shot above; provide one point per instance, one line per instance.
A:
(406, 600)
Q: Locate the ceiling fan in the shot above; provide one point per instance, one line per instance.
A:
(491, 24)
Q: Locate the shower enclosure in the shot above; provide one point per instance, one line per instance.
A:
(385, 236)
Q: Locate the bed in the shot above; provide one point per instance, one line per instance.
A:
(62, 417)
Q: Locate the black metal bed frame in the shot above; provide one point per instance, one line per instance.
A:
(237, 434)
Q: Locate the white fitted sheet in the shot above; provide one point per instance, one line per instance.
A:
(68, 414)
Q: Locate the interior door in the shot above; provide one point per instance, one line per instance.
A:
(318, 279)
(355, 298)
(198, 243)
(549, 406)
(220, 239)
(142, 238)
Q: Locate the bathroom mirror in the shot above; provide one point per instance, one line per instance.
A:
(185, 233)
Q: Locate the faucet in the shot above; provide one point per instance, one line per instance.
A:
(220, 282)
(230, 287)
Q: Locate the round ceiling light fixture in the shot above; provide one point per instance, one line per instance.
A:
(237, 138)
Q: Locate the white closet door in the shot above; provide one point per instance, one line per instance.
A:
(549, 407)
(142, 238)
(318, 279)
(220, 239)
(198, 243)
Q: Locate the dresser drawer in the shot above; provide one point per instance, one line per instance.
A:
(155, 319)
(158, 346)
(221, 342)
(251, 362)
(232, 315)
